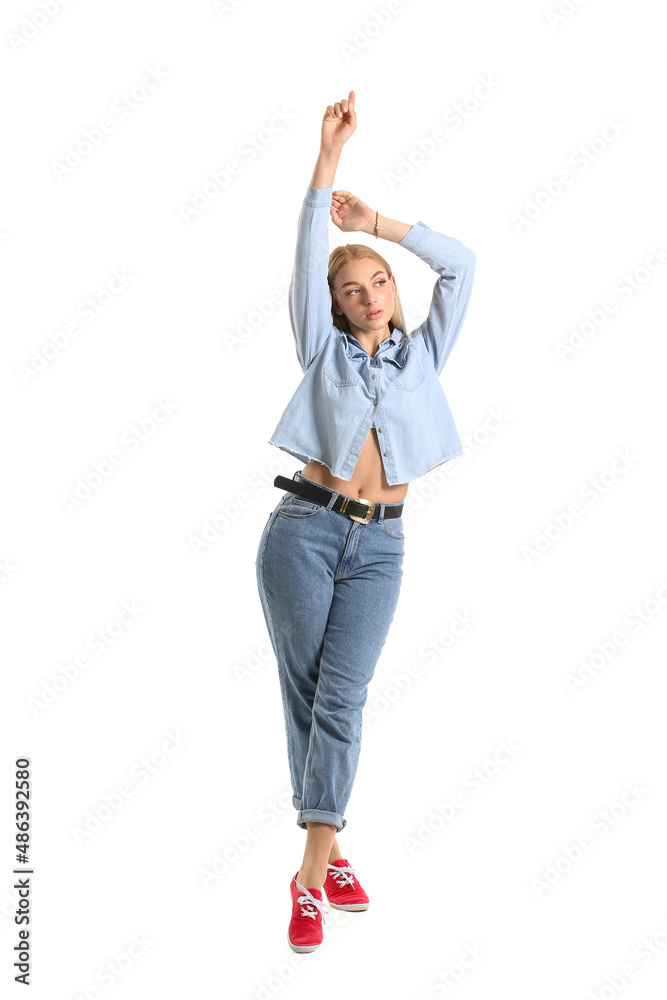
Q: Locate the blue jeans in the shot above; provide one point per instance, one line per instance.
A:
(329, 588)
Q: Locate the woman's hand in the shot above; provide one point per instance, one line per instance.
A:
(351, 214)
(338, 124)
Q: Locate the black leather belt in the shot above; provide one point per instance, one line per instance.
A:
(357, 508)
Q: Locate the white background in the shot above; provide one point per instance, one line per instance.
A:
(194, 658)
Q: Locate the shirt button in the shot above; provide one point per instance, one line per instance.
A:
(372, 376)
(380, 428)
(375, 402)
(387, 453)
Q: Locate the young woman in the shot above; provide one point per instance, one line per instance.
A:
(368, 417)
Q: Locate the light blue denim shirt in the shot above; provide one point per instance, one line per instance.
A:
(344, 390)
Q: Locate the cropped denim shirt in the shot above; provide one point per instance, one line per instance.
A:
(344, 390)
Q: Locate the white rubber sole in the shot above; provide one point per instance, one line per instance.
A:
(301, 947)
(348, 906)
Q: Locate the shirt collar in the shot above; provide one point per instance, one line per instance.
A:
(353, 348)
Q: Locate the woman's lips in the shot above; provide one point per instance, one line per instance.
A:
(373, 315)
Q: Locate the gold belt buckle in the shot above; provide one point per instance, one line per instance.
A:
(369, 514)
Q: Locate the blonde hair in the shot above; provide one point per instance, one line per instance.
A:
(356, 251)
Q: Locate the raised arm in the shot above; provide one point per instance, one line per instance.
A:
(309, 296)
(454, 263)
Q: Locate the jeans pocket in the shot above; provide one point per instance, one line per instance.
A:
(298, 507)
(394, 527)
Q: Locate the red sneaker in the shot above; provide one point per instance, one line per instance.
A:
(305, 931)
(342, 889)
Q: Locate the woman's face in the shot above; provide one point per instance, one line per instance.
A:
(363, 292)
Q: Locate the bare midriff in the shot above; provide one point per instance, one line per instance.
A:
(368, 479)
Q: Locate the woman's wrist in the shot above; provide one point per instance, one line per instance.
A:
(325, 168)
(369, 223)
(387, 229)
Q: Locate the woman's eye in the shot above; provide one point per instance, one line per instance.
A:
(380, 281)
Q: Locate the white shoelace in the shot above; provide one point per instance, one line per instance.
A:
(344, 873)
(307, 902)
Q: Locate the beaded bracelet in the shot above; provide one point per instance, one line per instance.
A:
(376, 224)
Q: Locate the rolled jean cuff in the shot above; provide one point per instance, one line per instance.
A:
(305, 816)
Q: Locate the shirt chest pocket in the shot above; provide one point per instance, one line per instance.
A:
(340, 373)
(406, 374)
